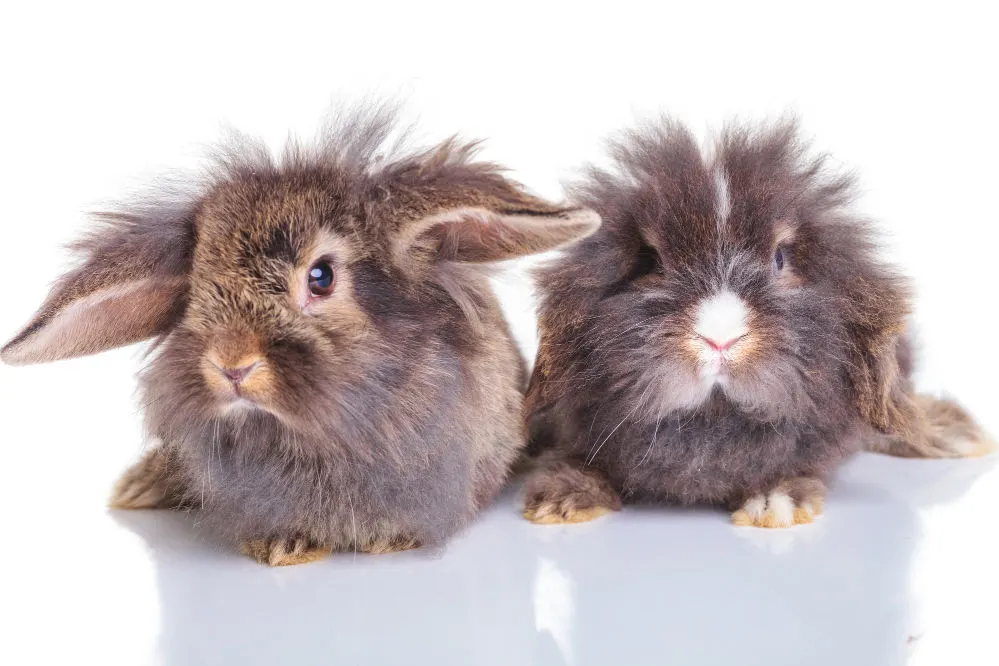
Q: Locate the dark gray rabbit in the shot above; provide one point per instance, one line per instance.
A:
(729, 336)
(331, 370)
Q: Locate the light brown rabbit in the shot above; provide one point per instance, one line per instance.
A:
(331, 370)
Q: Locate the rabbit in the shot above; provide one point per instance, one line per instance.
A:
(728, 337)
(330, 370)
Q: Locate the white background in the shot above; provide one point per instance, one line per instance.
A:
(99, 97)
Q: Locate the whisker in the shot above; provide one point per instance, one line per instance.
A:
(641, 401)
(350, 501)
(651, 443)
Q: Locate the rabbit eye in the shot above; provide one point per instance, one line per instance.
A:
(779, 259)
(321, 279)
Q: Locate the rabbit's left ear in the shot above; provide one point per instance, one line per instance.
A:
(876, 309)
(131, 285)
(877, 380)
(494, 229)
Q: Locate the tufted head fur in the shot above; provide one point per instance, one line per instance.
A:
(729, 326)
(329, 360)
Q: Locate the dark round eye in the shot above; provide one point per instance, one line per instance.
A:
(779, 259)
(321, 279)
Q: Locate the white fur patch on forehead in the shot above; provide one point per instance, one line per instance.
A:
(722, 317)
(723, 197)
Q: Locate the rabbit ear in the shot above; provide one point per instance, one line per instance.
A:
(495, 230)
(878, 381)
(876, 309)
(131, 285)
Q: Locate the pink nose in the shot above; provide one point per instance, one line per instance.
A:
(721, 346)
(237, 375)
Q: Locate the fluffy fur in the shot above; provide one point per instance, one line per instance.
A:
(378, 418)
(628, 387)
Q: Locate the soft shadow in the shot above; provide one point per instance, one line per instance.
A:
(654, 586)
(646, 586)
(468, 604)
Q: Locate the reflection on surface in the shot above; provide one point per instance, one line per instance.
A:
(553, 606)
(645, 586)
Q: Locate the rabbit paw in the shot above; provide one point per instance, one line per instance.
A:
(284, 551)
(385, 545)
(794, 502)
(562, 493)
(146, 485)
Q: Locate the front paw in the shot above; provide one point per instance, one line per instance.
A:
(148, 484)
(279, 552)
(793, 502)
(384, 545)
(563, 493)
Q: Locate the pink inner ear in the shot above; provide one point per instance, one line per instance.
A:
(480, 235)
(108, 318)
(477, 235)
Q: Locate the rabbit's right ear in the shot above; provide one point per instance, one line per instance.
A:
(132, 285)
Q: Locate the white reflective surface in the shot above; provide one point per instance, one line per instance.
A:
(900, 569)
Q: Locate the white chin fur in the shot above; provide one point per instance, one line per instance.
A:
(239, 406)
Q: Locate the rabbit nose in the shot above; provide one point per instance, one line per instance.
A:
(722, 320)
(238, 375)
(722, 346)
(234, 354)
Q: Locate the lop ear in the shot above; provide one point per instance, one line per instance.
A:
(131, 285)
(878, 381)
(876, 308)
(493, 229)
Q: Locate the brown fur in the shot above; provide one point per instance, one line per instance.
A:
(567, 494)
(382, 416)
(944, 430)
(821, 371)
(284, 551)
(149, 483)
